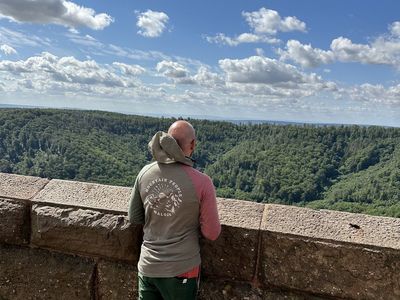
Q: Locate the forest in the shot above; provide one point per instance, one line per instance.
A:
(348, 168)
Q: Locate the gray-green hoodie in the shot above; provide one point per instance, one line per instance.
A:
(164, 199)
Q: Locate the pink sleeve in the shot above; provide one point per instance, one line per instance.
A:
(209, 220)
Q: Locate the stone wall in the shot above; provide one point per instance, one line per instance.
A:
(72, 240)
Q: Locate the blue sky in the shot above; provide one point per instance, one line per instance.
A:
(305, 61)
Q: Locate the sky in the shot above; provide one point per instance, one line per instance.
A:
(303, 61)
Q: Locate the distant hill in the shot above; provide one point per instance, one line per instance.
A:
(276, 122)
(256, 122)
(16, 106)
(348, 168)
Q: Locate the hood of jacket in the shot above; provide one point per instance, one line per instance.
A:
(166, 150)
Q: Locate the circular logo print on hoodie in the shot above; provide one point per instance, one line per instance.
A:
(164, 196)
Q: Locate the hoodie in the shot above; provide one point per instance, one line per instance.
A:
(176, 203)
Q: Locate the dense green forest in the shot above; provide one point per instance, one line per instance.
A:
(348, 168)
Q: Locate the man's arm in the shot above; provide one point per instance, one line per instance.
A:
(209, 220)
(136, 209)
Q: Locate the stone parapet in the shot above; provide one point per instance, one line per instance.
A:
(85, 195)
(338, 227)
(72, 240)
(331, 253)
(84, 231)
(14, 222)
(20, 187)
(234, 254)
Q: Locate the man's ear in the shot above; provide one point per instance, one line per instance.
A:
(192, 146)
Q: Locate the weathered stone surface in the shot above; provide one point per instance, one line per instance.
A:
(333, 269)
(86, 195)
(20, 187)
(234, 254)
(35, 274)
(14, 222)
(333, 225)
(269, 295)
(86, 232)
(237, 213)
(211, 289)
(116, 281)
(334, 253)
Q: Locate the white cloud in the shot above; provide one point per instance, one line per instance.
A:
(373, 93)
(7, 50)
(208, 79)
(133, 70)
(135, 53)
(251, 81)
(305, 55)
(152, 23)
(175, 71)
(61, 12)
(384, 50)
(380, 52)
(221, 38)
(264, 70)
(270, 79)
(394, 29)
(84, 40)
(268, 21)
(95, 47)
(49, 74)
(19, 38)
(197, 97)
(172, 69)
(73, 30)
(255, 83)
(181, 75)
(265, 24)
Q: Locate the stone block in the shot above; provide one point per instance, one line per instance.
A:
(19, 186)
(116, 281)
(303, 250)
(14, 222)
(35, 274)
(234, 254)
(85, 195)
(336, 226)
(86, 232)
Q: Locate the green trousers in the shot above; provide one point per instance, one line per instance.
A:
(167, 288)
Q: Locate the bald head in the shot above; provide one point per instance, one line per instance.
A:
(184, 133)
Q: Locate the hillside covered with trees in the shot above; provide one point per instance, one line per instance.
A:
(349, 168)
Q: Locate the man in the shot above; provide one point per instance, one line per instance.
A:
(176, 203)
